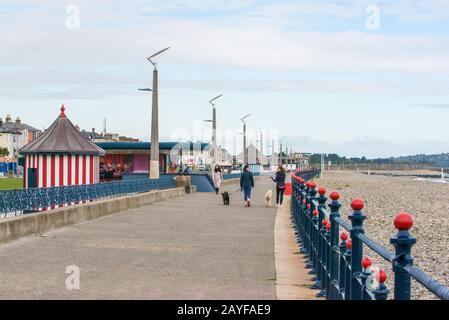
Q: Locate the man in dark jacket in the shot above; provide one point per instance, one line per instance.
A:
(246, 184)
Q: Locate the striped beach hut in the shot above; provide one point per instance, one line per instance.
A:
(61, 156)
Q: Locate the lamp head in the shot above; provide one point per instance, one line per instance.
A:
(216, 98)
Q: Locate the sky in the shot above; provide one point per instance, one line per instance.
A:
(355, 77)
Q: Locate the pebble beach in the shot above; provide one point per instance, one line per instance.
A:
(427, 201)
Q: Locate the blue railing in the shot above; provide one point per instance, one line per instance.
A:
(228, 176)
(336, 259)
(31, 200)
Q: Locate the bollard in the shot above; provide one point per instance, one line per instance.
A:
(320, 216)
(356, 219)
(317, 277)
(342, 251)
(322, 257)
(366, 273)
(381, 293)
(403, 242)
(334, 207)
(348, 274)
(311, 263)
(328, 249)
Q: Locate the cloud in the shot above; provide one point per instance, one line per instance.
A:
(432, 105)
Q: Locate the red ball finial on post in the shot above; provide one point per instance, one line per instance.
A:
(344, 236)
(312, 185)
(381, 276)
(328, 226)
(335, 195)
(357, 204)
(349, 244)
(403, 221)
(62, 111)
(366, 263)
(322, 191)
(324, 222)
(315, 212)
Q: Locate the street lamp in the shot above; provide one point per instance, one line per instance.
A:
(245, 151)
(154, 157)
(214, 129)
(209, 121)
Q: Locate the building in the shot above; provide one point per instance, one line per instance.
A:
(133, 158)
(14, 135)
(106, 137)
(254, 156)
(61, 156)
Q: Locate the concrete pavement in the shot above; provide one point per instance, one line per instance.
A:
(190, 247)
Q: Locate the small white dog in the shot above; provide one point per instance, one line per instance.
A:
(268, 197)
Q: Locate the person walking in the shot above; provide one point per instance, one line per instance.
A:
(279, 179)
(246, 184)
(218, 178)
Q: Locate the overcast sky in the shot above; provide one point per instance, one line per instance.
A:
(354, 77)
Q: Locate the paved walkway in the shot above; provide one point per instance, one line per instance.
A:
(292, 278)
(191, 247)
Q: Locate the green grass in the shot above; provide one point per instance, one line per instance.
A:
(11, 183)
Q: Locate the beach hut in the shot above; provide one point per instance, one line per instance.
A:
(61, 156)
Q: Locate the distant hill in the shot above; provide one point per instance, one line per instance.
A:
(437, 160)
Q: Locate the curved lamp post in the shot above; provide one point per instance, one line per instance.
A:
(154, 157)
(214, 130)
(245, 151)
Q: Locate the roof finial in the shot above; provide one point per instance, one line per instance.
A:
(62, 111)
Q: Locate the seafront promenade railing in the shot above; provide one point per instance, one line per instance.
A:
(36, 199)
(336, 258)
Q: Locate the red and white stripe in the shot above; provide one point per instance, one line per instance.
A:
(63, 170)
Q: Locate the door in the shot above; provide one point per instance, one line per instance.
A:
(32, 177)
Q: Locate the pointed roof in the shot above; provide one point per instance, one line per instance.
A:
(252, 152)
(62, 138)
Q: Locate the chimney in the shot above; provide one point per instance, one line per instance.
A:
(77, 127)
(1, 122)
(18, 121)
(8, 118)
(93, 130)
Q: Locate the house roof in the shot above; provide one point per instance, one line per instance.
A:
(62, 137)
(18, 126)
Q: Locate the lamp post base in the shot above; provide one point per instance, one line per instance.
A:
(154, 169)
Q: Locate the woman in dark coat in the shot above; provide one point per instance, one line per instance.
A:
(279, 179)
(246, 184)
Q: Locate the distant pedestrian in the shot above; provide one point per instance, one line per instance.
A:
(279, 179)
(246, 184)
(217, 176)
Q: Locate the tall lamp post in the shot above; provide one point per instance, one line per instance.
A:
(154, 157)
(214, 130)
(245, 151)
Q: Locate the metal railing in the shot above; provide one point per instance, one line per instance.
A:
(19, 201)
(336, 259)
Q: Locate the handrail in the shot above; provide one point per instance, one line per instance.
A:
(29, 200)
(428, 282)
(373, 245)
(341, 271)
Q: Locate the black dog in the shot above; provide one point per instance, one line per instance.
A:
(226, 199)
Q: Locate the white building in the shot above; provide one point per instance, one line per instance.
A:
(14, 135)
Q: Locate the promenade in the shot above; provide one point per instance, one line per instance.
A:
(191, 247)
